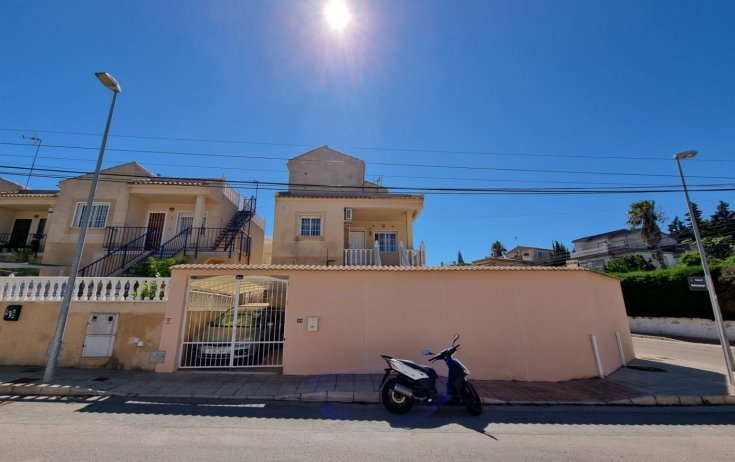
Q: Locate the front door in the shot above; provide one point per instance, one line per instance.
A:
(19, 235)
(155, 230)
(357, 240)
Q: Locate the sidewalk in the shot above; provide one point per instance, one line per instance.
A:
(644, 382)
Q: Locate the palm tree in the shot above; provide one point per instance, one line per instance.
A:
(644, 214)
(497, 249)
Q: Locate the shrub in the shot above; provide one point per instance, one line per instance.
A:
(628, 264)
(156, 267)
(665, 292)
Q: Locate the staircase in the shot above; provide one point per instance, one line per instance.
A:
(227, 236)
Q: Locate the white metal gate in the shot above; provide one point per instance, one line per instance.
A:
(234, 322)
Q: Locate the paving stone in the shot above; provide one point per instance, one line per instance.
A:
(366, 397)
(340, 396)
(315, 396)
(691, 400)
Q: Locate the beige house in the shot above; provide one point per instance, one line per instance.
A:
(535, 255)
(137, 214)
(331, 216)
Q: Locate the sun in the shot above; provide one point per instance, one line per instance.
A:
(337, 14)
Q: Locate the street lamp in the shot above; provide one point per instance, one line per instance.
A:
(110, 83)
(707, 276)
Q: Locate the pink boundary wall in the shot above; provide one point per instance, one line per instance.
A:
(528, 324)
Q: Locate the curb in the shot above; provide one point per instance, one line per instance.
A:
(365, 397)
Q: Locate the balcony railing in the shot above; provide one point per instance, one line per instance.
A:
(603, 248)
(402, 257)
(86, 289)
(9, 242)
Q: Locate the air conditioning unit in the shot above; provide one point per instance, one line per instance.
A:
(348, 214)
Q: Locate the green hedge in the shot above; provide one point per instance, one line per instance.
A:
(665, 293)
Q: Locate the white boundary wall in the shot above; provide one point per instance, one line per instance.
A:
(680, 327)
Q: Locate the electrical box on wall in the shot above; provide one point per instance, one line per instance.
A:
(12, 313)
(312, 323)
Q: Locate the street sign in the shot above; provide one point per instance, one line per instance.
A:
(697, 283)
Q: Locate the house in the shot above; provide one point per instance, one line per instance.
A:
(137, 214)
(535, 255)
(595, 251)
(331, 216)
(23, 217)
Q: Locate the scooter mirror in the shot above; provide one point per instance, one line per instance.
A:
(456, 337)
(427, 352)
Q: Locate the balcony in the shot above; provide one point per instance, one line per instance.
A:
(403, 257)
(10, 242)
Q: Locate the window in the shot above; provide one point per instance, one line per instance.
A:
(186, 220)
(99, 214)
(387, 241)
(310, 226)
(539, 255)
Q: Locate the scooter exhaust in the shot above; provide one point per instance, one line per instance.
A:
(401, 390)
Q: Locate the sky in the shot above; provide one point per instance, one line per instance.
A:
(523, 121)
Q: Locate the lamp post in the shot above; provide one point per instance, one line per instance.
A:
(707, 276)
(110, 83)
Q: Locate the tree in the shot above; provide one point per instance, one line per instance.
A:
(628, 264)
(643, 214)
(559, 254)
(701, 223)
(497, 249)
(722, 221)
(460, 260)
(678, 230)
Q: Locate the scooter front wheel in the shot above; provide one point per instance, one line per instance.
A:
(471, 399)
(394, 401)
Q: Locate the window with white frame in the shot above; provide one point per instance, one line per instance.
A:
(99, 214)
(310, 225)
(387, 241)
(186, 220)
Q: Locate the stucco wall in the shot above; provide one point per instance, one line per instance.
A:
(25, 342)
(290, 248)
(515, 324)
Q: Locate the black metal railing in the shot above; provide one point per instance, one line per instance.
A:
(10, 241)
(116, 259)
(118, 236)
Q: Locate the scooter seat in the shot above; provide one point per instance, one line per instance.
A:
(425, 369)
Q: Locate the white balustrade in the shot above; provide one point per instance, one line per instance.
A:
(86, 289)
(357, 257)
(231, 194)
(600, 249)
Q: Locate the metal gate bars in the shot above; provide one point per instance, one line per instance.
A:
(234, 322)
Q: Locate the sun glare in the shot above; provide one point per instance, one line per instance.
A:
(337, 14)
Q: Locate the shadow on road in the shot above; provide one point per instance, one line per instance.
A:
(420, 417)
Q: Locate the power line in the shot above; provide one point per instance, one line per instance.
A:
(389, 164)
(365, 148)
(275, 185)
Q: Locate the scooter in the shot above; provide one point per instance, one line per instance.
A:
(417, 383)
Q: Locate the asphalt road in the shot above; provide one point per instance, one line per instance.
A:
(704, 356)
(145, 430)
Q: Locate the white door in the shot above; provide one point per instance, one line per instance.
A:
(357, 240)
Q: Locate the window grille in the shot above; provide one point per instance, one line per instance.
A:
(99, 214)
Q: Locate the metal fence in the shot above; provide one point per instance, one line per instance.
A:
(234, 322)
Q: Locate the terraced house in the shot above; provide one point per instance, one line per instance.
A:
(136, 214)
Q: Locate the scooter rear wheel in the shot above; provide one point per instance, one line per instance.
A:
(471, 399)
(394, 401)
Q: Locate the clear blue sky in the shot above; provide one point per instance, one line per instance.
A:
(583, 86)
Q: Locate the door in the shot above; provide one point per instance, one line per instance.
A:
(155, 230)
(19, 235)
(357, 240)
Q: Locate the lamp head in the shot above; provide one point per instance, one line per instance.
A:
(685, 155)
(108, 81)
